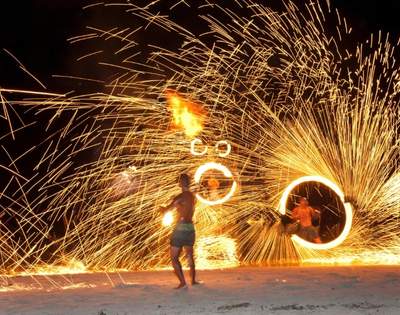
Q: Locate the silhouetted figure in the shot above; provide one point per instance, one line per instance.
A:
(183, 234)
(304, 214)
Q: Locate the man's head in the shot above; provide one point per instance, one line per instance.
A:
(184, 180)
(303, 202)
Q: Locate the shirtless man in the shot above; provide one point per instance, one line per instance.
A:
(304, 214)
(183, 234)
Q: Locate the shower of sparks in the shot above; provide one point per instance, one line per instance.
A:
(275, 86)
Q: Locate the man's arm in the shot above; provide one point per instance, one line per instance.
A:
(315, 212)
(316, 215)
(295, 214)
(171, 206)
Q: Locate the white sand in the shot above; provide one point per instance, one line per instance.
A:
(283, 290)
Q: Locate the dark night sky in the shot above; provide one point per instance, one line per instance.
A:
(36, 32)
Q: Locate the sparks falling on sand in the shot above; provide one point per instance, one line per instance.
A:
(274, 86)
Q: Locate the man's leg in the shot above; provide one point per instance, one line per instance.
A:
(317, 238)
(192, 267)
(175, 252)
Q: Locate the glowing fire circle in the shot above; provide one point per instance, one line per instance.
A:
(347, 206)
(227, 173)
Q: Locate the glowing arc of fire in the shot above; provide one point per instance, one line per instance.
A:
(228, 148)
(347, 207)
(193, 144)
(227, 173)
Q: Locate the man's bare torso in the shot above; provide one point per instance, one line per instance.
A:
(304, 215)
(185, 205)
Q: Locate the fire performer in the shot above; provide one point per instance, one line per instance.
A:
(304, 215)
(213, 185)
(183, 234)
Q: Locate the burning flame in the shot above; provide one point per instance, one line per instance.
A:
(187, 115)
(168, 219)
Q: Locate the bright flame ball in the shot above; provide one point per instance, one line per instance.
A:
(168, 219)
(187, 115)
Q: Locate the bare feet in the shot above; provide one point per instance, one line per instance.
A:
(180, 286)
(197, 282)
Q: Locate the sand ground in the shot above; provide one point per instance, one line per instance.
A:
(273, 290)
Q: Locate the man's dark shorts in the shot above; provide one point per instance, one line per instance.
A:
(183, 235)
(309, 233)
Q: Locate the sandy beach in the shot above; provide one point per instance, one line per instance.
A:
(272, 290)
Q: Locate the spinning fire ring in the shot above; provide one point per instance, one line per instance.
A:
(347, 207)
(227, 173)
